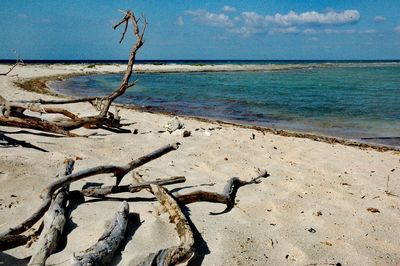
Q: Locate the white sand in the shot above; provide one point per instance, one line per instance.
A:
(271, 222)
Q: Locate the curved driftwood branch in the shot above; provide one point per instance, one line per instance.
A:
(103, 251)
(118, 171)
(185, 249)
(53, 222)
(228, 195)
(19, 61)
(101, 192)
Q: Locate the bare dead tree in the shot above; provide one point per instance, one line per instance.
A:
(18, 62)
(12, 114)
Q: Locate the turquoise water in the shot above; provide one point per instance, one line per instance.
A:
(346, 100)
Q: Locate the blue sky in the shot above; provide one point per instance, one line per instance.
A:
(309, 29)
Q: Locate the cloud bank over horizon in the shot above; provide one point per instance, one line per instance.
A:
(249, 23)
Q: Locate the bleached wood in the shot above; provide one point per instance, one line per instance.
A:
(183, 251)
(100, 192)
(103, 251)
(118, 171)
(54, 222)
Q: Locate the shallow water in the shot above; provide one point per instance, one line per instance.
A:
(351, 100)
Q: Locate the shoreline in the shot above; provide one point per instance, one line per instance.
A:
(40, 85)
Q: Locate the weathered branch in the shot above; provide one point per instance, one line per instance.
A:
(118, 171)
(103, 118)
(54, 221)
(11, 69)
(18, 61)
(34, 124)
(228, 195)
(100, 192)
(67, 101)
(185, 249)
(103, 251)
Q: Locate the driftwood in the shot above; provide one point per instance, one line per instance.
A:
(103, 251)
(54, 222)
(226, 197)
(12, 114)
(185, 249)
(118, 171)
(100, 192)
(17, 63)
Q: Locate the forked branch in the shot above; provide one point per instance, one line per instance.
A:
(118, 171)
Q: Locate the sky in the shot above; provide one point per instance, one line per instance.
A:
(184, 30)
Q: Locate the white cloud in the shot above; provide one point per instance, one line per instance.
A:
(315, 18)
(204, 17)
(379, 19)
(22, 15)
(250, 22)
(252, 19)
(335, 31)
(310, 31)
(180, 21)
(228, 9)
(370, 31)
(397, 29)
(289, 30)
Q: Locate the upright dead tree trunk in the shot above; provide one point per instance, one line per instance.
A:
(12, 114)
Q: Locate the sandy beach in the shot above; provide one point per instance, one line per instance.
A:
(311, 210)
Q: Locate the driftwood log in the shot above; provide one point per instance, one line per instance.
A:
(185, 249)
(54, 222)
(100, 192)
(118, 171)
(228, 195)
(103, 251)
(12, 114)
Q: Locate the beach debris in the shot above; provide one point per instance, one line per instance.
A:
(185, 249)
(327, 243)
(7, 236)
(227, 196)
(317, 213)
(12, 113)
(253, 136)
(186, 133)
(345, 184)
(18, 62)
(100, 192)
(135, 131)
(54, 222)
(373, 210)
(103, 251)
(312, 230)
(174, 124)
(207, 133)
(171, 163)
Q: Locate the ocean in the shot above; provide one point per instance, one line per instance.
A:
(350, 99)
